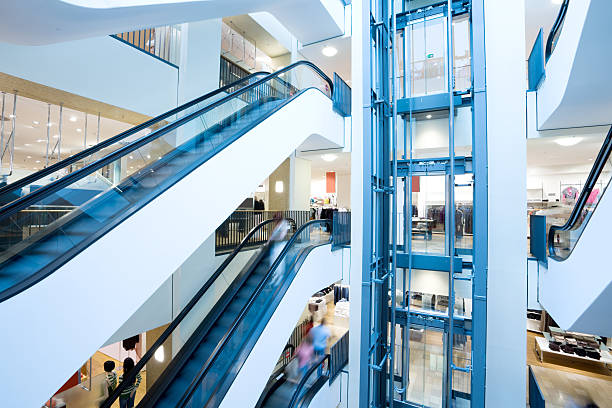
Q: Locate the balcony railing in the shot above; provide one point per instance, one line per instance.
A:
(162, 43)
(231, 232)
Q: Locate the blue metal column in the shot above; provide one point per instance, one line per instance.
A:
(480, 224)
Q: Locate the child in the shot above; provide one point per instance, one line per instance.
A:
(111, 376)
(128, 395)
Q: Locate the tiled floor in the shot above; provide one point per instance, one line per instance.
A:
(569, 383)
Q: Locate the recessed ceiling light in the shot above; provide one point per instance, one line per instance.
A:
(50, 124)
(131, 157)
(568, 141)
(73, 119)
(329, 51)
(79, 130)
(27, 144)
(56, 136)
(428, 116)
(37, 161)
(35, 122)
(329, 157)
(28, 157)
(40, 140)
(148, 156)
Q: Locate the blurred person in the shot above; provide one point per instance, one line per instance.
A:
(276, 245)
(320, 334)
(304, 354)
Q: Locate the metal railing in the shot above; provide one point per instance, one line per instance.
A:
(163, 43)
(233, 230)
(341, 229)
(338, 356)
(342, 96)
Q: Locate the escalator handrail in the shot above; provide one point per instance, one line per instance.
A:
(554, 31)
(179, 318)
(232, 328)
(29, 179)
(304, 380)
(35, 196)
(591, 182)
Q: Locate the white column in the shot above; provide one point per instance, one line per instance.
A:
(507, 246)
(360, 171)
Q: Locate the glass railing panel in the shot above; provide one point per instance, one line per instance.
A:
(319, 368)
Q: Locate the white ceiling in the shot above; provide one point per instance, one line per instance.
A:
(342, 164)
(257, 34)
(340, 63)
(544, 155)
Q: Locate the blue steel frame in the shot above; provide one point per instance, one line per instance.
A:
(378, 329)
(481, 205)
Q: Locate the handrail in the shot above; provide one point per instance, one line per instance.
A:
(23, 202)
(574, 218)
(112, 140)
(555, 30)
(196, 298)
(304, 380)
(194, 383)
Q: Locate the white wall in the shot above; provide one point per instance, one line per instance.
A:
(299, 183)
(506, 128)
(103, 69)
(200, 59)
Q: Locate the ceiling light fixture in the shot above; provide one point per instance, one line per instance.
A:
(568, 141)
(329, 51)
(73, 119)
(329, 157)
(40, 140)
(79, 130)
(37, 161)
(27, 144)
(56, 136)
(428, 116)
(49, 124)
(35, 122)
(28, 157)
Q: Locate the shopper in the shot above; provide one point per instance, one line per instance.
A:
(111, 376)
(304, 354)
(320, 335)
(128, 395)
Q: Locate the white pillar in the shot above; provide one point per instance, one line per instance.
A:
(360, 182)
(507, 252)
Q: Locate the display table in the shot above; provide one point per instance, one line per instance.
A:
(422, 226)
(541, 348)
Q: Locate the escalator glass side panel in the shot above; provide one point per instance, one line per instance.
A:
(562, 239)
(143, 169)
(106, 174)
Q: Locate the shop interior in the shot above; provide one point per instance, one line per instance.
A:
(571, 369)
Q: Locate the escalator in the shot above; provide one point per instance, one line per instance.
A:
(220, 338)
(168, 184)
(573, 65)
(575, 285)
(285, 393)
